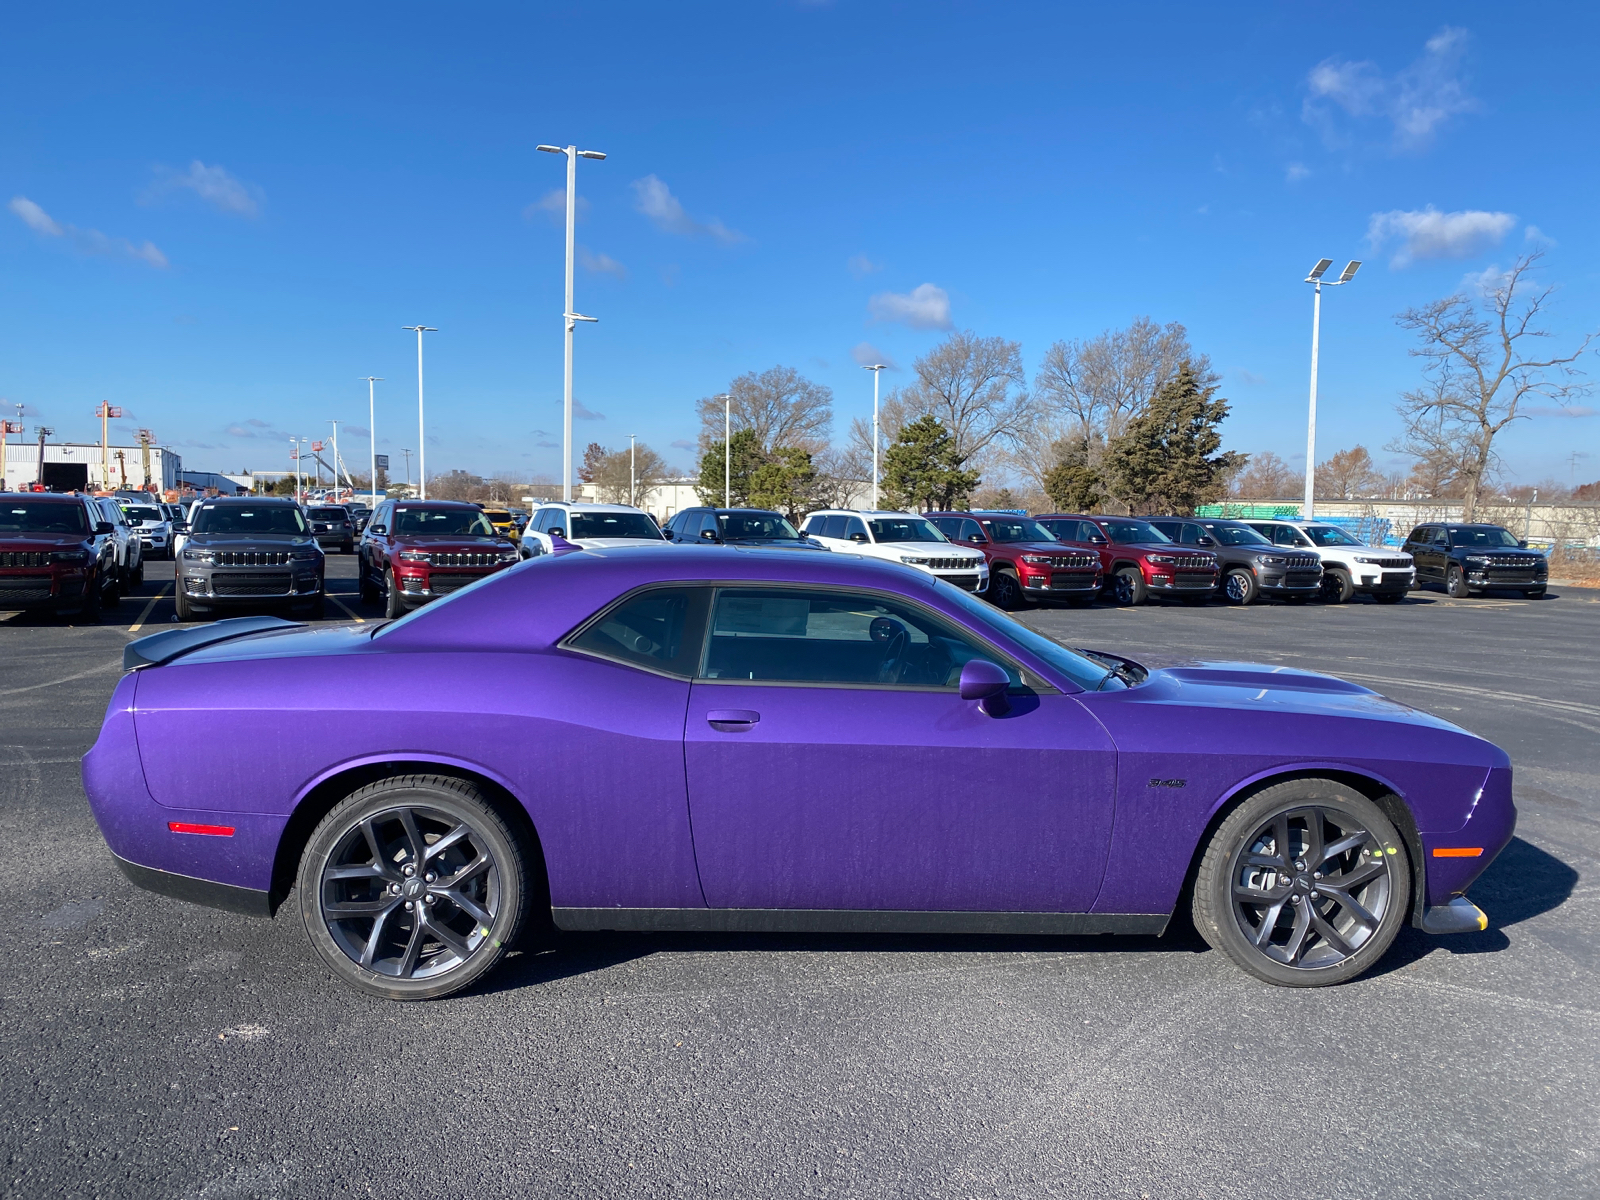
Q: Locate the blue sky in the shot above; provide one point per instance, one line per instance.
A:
(220, 217)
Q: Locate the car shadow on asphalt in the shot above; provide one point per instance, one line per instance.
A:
(1523, 882)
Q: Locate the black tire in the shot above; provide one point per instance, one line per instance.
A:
(369, 591)
(348, 548)
(393, 605)
(1130, 588)
(1337, 586)
(1388, 597)
(1260, 867)
(111, 596)
(392, 931)
(1006, 592)
(180, 602)
(318, 608)
(1240, 587)
(136, 581)
(1535, 594)
(1455, 584)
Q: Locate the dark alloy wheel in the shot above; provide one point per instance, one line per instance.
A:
(1337, 586)
(369, 591)
(180, 601)
(1130, 588)
(1305, 884)
(1006, 592)
(413, 888)
(393, 605)
(1455, 584)
(1240, 587)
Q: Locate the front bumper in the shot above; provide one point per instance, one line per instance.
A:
(1453, 860)
(418, 586)
(1064, 583)
(24, 590)
(1374, 582)
(251, 585)
(1184, 583)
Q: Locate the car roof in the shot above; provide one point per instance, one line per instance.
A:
(277, 500)
(459, 504)
(862, 512)
(51, 497)
(589, 506)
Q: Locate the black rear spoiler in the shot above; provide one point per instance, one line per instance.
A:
(163, 647)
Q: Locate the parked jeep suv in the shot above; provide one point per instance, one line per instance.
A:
(1137, 560)
(150, 524)
(57, 553)
(1470, 559)
(737, 527)
(415, 551)
(1348, 566)
(1027, 564)
(332, 526)
(591, 526)
(248, 552)
(899, 537)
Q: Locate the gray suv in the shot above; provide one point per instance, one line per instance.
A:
(1252, 566)
(248, 552)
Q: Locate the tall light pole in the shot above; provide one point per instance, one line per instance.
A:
(569, 315)
(372, 436)
(407, 453)
(727, 450)
(632, 462)
(295, 454)
(1315, 278)
(875, 368)
(422, 444)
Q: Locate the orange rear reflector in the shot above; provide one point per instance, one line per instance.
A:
(212, 830)
(1457, 851)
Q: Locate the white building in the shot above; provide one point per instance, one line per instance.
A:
(72, 466)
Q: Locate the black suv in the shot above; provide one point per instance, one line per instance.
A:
(248, 552)
(332, 525)
(1252, 566)
(1470, 559)
(737, 527)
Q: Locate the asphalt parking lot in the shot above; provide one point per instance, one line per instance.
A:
(153, 1049)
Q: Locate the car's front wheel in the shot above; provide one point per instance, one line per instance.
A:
(1304, 884)
(393, 605)
(1455, 585)
(1241, 587)
(414, 887)
(1337, 586)
(1130, 587)
(1006, 592)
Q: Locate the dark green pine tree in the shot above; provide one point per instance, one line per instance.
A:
(1073, 484)
(747, 459)
(922, 470)
(785, 482)
(1170, 458)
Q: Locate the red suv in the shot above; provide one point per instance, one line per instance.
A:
(56, 553)
(1138, 560)
(1026, 562)
(414, 551)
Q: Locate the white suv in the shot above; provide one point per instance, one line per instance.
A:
(592, 526)
(1348, 566)
(899, 537)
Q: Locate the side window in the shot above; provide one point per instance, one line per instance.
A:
(834, 638)
(1170, 528)
(1419, 534)
(971, 531)
(1284, 535)
(659, 629)
(708, 524)
(1192, 534)
(950, 527)
(833, 527)
(854, 526)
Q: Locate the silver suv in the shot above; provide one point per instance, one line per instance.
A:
(1348, 564)
(247, 552)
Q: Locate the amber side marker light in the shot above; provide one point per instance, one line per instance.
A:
(210, 830)
(1457, 851)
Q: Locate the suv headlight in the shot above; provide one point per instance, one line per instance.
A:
(311, 554)
(69, 556)
(1162, 558)
(1038, 560)
(1362, 558)
(417, 556)
(190, 554)
(1477, 560)
(510, 555)
(1272, 560)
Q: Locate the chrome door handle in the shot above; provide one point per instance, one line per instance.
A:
(732, 720)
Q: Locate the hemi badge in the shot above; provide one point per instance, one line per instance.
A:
(211, 830)
(1457, 851)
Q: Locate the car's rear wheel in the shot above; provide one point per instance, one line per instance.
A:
(1240, 586)
(1535, 594)
(1006, 592)
(1304, 884)
(369, 590)
(1130, 587)
(413, 888)
(180, 602)
(1337, 586)
(1455, 584)
(393, 606)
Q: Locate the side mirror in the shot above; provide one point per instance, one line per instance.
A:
(979, 540)
(858, 537)
(556, 531)
(104, 527)
(1205, 541)
(1097, 540)
(179, 525)
(380, 529)
(709, 535)
(986, 682)
(1523, 542)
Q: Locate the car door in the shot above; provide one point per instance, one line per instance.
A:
(1427, 554)
(832, 764)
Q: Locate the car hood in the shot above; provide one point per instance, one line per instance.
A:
(285, 641)
(927, 549)
(614, 543)
(43, 541)
(440, 544)
(248, 541)
(1532, 556)
(775, 543)
(1163, 548)
(1044, 548)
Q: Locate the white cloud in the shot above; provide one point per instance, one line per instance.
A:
(1251, 377)
(655, 200)
(1416, 100)
(1429, 233)
(861, 266)
(924, 307)
(1295, 172)
(866, 354)
(683, 444)
(88, 241)
(1534, 234)
(553, 204)
(600, 264)
(215, 186)
(580, 413)
(1555, 410)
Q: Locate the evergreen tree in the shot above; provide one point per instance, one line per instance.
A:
(1169, 459)
(785, 482)
(1073, 484)
(747, 458)
(923, 469)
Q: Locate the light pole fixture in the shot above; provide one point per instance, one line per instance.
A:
(876, 369)
(422, 444)
(1310, 508)
(372, 436)
(569, 315)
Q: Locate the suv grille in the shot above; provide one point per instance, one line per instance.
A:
(24, 558)
(473, 559)
(249, 585)
(1303, 562)
(439, 583)
(1391, 564)
(947, 564)
(252, 558)
(1074, 561)
(1513, 561)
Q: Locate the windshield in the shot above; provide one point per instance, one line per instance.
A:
(1238, 535)
(25, 517)
(1491, 536)
(1017, 529)
(986, 617)
(765, 526)
(144, 512)
(442, 522)
(497, 516)
(329, 514)
(613, 525)
(1329, 535)
(249, 518)
(1127, 533)
(905, 529)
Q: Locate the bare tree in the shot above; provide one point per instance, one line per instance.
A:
(1347, 475)
(612, 474)
(974, 386)
(1476, 376)
(1267, 477)
(782, 406)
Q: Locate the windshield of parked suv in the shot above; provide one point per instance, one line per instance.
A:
(23, 517)
(614, 525)
(1016, 529)
(1128, 533)
(144, 512)
(442, 522)
(249, 518)
(1329, 535)
(1086, 674)
(1491, 536)
(736, 527)
(1238, 535)
(329, 514)
(497, 516)
(905, 529)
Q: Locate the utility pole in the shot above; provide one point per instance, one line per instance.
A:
(145, 438)
(875, 368)
(407, 453)
(569, 315)
(372, 437)
(105, 412)
(1310, 508)
(727, 450)
(422, 440)
(632, 461)
(43, 431)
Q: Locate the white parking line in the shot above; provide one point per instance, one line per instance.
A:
(343, 608)
(148, 608)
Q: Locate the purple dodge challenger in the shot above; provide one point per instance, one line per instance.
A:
(724, 739)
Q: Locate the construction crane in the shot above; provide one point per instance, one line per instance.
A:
(145, 438)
